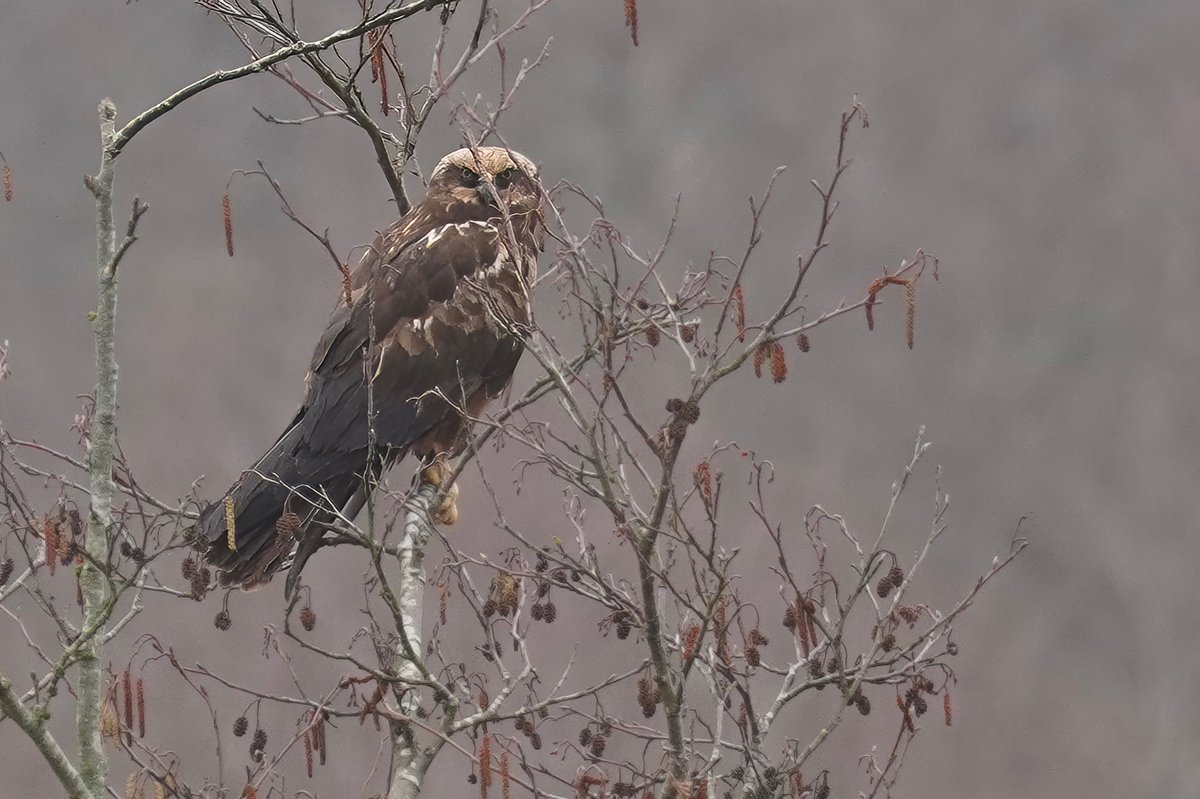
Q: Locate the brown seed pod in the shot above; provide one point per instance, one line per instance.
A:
(318, 732)
(703, 478)
(6, 569)
(753, 657)
(624, 624)
(691, 640)
(599, 742)
(585, 736)
(739, 312)
(188, 567)
(644, 695)
(550, 613)
(690, 412)
(910, 311)
(653, 336)
(947, 708)
(127, 695)
(240, 725)
(222, 620)
(896, 576)
(141, 708)
(200, 582)
(631, 20)
(803, 343)
(50, 534)
(761, 353)
(883, 587)
(227, 219)
(257, 744)
(308, 618)
(688, 332)
(779, 370)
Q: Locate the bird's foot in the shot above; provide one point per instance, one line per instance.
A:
(437, 473)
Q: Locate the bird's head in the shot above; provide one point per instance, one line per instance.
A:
(489, 177)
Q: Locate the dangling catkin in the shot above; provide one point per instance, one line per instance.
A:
(230, 525)
(227, 217)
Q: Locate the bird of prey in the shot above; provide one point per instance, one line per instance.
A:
(434, 322)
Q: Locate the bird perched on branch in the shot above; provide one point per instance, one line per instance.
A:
(429, 329)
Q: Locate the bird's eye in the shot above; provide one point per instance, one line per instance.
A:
(469, 178)
(505, 178)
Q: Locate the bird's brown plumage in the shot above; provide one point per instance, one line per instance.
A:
(445, 292)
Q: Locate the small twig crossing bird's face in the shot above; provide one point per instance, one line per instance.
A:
(492, 177)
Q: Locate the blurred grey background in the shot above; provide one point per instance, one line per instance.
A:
(1046, 152)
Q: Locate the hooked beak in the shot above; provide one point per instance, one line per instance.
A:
(487, 193)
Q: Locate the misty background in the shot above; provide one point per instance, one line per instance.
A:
(1047, 153)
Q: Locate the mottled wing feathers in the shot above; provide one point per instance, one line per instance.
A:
(404, 286)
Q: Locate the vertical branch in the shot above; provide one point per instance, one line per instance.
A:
(93, 762)
(409, 758)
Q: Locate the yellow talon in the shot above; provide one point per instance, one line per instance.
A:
(447, 511)
(436, 474)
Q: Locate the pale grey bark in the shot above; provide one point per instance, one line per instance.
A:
(33, 724)
(93, 763)
(411, 758)
(87, 777)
